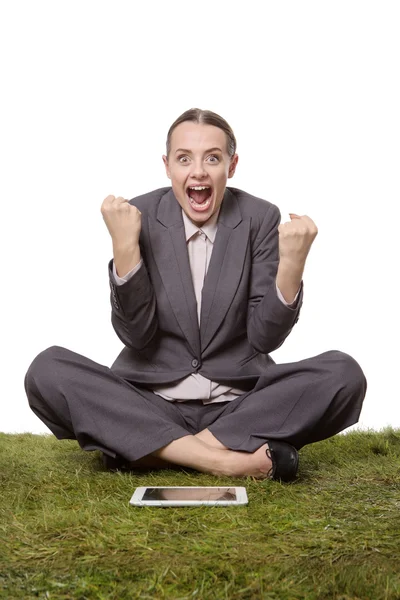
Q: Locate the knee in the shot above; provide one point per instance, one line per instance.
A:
(348, 372)
(42, 366)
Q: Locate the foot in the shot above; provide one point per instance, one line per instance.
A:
(244, 464)
(285, 460)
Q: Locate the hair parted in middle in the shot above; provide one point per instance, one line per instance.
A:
(205, 117)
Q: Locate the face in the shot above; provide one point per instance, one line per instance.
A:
(199, 159)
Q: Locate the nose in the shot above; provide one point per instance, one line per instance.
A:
(198, 170)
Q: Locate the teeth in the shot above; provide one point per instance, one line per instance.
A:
(205, 203)
(199, 187)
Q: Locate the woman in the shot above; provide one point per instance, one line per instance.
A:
(205, 283)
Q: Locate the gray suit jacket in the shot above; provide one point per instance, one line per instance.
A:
(242, 318)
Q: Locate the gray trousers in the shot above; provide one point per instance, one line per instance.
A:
(300, 403)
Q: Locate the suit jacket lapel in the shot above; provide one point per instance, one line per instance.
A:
(168, 243)
(225, 268)
(169, 248)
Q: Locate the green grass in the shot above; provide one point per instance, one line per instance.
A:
(67, 530)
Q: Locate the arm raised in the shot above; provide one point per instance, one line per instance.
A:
(269, 320)
(133, 303)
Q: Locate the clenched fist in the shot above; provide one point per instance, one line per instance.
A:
(123, 221)
(296, 238)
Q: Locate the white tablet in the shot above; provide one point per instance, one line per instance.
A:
(188, 496)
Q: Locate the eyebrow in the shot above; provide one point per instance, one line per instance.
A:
(190, 152)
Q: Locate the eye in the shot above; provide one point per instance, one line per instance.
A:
(183, 159)
(214, 157)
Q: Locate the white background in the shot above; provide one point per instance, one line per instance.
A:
(88, 92)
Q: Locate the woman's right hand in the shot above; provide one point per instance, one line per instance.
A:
(123, 221)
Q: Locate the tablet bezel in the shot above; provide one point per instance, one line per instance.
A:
(137, 497)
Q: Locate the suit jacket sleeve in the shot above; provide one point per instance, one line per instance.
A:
(269, 320)
(133, 305)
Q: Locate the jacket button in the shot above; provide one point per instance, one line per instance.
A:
(195, 363)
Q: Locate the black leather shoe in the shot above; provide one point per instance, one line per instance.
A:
(285, 460)
(114, 464)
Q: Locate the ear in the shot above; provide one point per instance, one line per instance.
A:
(232, 166)
(165, 161)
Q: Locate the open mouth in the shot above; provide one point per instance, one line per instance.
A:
(200, 197)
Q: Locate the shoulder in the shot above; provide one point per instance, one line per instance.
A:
(148, 202)
(257, 208)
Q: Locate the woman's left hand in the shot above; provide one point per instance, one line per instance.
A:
(295, 239)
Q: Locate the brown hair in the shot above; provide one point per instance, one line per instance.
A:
(205, 117)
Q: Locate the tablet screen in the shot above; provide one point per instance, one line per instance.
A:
(212, 493)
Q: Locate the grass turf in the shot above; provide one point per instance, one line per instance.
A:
(67, 530)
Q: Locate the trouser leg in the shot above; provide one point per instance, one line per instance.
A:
(299, 403)
(80, 399)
